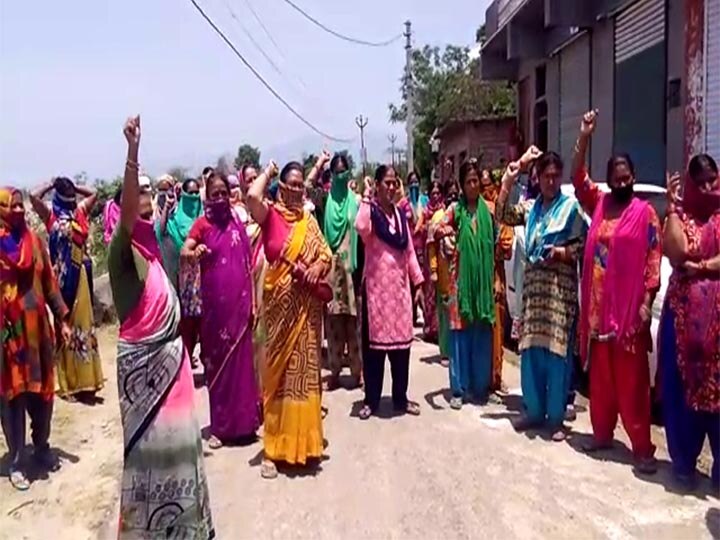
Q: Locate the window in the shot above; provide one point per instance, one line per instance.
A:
(463, 157)
(541, 125)
(540, 81)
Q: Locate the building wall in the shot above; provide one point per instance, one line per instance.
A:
(484, 140)
(675, 70)
(602, 94)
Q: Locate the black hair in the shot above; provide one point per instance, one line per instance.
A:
(326, 176)
(207, 170)
(339, 158)
(64, 186)
(620, 158)
(118, 195)
(547, 159)
(412, 173)
(382, 171)
(700, 163)
(290, 167)
(217, 175)
(244, 168)
(186, 184)
(439, 185)
(466, 168)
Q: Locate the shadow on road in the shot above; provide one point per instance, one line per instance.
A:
(36, 471)
(712, 522)
(384, 411)
(430, 398)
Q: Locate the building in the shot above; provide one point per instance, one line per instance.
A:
(651, 68)
(488, 140)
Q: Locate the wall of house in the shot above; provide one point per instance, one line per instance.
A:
(486, 141)
(675, 70)
(602, 94)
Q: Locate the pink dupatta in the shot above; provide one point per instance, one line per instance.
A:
(624, 280)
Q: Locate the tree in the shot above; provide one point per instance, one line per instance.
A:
(446, 89)
(247, 155)
(179, 173)
(308, 162)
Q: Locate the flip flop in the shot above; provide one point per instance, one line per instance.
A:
(19, 481)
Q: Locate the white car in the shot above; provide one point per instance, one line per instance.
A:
(655, 195)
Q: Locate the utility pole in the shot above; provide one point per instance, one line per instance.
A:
(410, 120)
(361, 122)
(392, 138)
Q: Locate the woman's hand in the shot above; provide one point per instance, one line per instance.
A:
(589, 123)
(673, 183)
(420, 298)
(65, 332)
(369, 188)
(530, 154)
(558, 253)
(313, 274)
(322, 159)
(132, 131)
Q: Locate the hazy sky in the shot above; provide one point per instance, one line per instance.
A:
(71, 71)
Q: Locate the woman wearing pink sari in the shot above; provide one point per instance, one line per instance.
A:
(163, 490)
(219, 241)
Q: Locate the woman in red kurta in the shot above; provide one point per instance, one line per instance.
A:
(621, 275)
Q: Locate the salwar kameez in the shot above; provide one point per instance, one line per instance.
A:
(544, 379)
(471, 361)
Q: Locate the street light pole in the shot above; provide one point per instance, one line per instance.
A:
(392, 138)
(361, 122)
(410, 120)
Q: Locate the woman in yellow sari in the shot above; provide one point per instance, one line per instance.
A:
(298, 259)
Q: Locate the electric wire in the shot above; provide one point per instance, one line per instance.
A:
(259, 77)
(338, 34)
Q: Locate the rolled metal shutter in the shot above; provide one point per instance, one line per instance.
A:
(574, 92)
(712, 78)
(638, 28)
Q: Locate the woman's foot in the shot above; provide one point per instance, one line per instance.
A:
(412, 408)
(570, 413)
(456, 403)
(18, 480)
(268, 470)
(445, 361)
(214, 443)
(365, 413)
(525, 423)
(559, 435)
(596, 446)
(646, 466)
(494, 399)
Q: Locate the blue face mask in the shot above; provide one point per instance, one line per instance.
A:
(414, 193)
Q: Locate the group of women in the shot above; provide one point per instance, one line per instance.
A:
(247, 271)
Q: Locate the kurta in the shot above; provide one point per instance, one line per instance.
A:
(387, 276)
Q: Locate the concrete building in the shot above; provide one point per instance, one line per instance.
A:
(651, 67)
(487, 140)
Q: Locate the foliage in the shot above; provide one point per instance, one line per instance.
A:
(308, 161)
(445, 89)
(247, 154)
(105, 190)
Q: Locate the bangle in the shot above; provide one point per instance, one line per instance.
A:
(703, 265)
(130, 164)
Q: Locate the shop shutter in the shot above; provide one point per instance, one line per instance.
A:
(639, 27)
(712, 78)
(574, 92)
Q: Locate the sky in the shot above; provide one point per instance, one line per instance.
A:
(72, 71)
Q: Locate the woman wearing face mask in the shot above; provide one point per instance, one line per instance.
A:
(164, 204)
(188, 209)
(79, 368)
(390, 268)
(439, 253)
(341, 325)
(472, 282)
(503, 251)
(621, 275)
(218, 240)
(436, 203)
(298, 261)
(555, 237)
(162, 445)
(27, 380)
(689, 356)
(236, 198)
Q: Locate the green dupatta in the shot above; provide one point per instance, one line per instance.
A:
(476, 272)
(340, 211)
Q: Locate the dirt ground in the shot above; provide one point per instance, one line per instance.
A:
(446, 474)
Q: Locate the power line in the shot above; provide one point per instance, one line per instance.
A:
(338, 34)
(248, 4)
(262, 80)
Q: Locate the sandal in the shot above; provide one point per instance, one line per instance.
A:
(324, 411)
(558, 435)
(268, 470)
(214, 443)
(456, 403)
(445, 362)
(18, 480)
(365, 413)
(412, 408)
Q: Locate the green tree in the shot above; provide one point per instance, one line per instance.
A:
(308, 162)
(179, 173)
(446, 89)
(247, 154)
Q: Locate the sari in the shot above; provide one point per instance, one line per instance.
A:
(79, 368)
(226, 327)
(430, 315)
(164, 489)
(293, 316)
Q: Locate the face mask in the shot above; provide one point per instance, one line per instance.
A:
(623, 194)
(341, 178)
(218, 210)
(292, 198)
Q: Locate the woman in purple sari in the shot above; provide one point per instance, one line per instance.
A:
(219, 241)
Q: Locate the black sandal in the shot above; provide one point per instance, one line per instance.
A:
(365, 413)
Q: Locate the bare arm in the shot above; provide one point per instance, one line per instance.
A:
(89, 197)
(256, 203)
(129, 205)
(312, 176)
(505, 213)
(36, 200)
(675, 243)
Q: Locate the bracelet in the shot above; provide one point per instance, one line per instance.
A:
(703, 265)
(130, 164)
